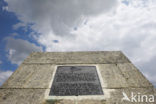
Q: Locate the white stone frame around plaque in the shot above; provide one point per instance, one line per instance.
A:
(81, 97)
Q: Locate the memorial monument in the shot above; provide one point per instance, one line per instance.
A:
(99, 77)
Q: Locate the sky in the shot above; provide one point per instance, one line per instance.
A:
(78, 25)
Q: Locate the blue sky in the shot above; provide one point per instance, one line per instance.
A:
(74, 25)
(6, 22)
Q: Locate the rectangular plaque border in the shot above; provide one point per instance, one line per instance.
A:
(101, 97)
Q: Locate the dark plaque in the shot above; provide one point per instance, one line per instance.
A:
(76, 80)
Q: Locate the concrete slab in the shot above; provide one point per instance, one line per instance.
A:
(77, 57)
(31, 82)
(31, 76)
(133, 76)
(122, 75)
(22, 96)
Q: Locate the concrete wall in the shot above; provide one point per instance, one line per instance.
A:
(31, 82)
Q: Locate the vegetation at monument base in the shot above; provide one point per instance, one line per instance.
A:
(52, 101)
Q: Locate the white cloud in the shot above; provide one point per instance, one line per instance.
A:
(19, 49)
(5, 8)
(18, 25)
(57, 16)
(4, 75)
(127, 25)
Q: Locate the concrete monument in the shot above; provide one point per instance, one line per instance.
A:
(105, 77)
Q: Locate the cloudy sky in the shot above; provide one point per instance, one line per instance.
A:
(78, 25)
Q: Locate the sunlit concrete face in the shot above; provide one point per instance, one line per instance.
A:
(111, 70)
(76, 81)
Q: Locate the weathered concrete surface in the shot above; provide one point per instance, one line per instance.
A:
(77, 57)
(21, 96)
(117, 95)
(122, 76)
(31, 81)
(30, 76)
